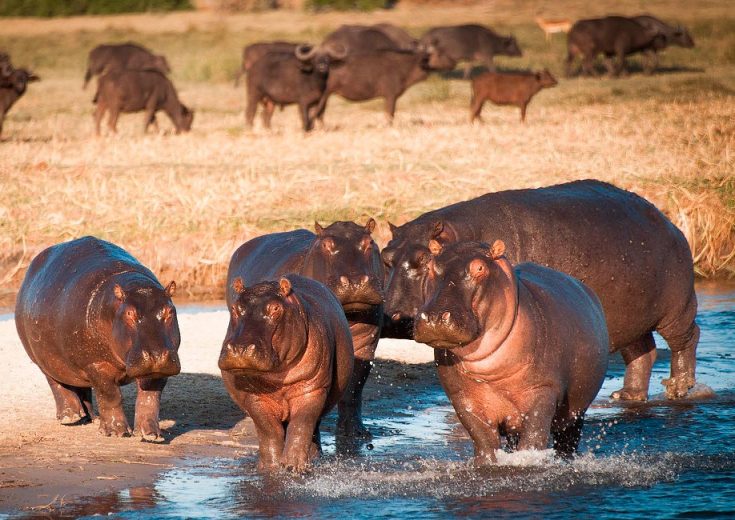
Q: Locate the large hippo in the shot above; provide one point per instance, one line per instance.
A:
(520, 352)
(286, 360)
(93, 318)
(343, 257)
(637, 262)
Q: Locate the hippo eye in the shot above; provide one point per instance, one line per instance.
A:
(273, 310)
(131, 316)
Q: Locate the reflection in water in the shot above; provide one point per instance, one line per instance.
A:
(645, 459)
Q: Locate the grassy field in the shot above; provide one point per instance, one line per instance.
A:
(182, 204)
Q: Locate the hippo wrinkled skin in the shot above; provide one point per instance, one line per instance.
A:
(344, 257)
(93, 318)
(520, 351)
(286, 360)
(635, 260)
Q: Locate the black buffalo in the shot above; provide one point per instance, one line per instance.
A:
(672, 36)
(471, 43)
(367, 38)
(13, 87)
(106, 58)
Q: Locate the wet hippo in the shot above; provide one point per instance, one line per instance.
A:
(617, 243)
(93, 318)
(343, 257)
(286, 361)
(520, 351)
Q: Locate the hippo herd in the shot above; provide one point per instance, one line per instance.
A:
(359, 63)
(521, 293)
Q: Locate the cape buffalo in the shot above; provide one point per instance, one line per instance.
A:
(106, 58)
(365, 38)
(383, 74)
(613, 36)
(137, 90)
(507, 89)
(286, 78)
(672, 36)
(13, 88)
(253, 52)
(472, 43)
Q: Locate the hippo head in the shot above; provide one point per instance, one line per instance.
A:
(681, 37)
(546, 79)
(471, 289)
(319, 58)
(406, 259)
(345, 258)
(146, 332)
(266, 327)
(19, 79)
(185, 119)
(509, 46)
(161, 63)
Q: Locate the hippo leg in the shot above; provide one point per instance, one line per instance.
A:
(349, 422)
(69, 408)
(537, 423)
(147, 405)
(682, 336)
(463, 392)
(300, 432)
(271, 435)
(566, 434)
(109, 401)
(639, 357)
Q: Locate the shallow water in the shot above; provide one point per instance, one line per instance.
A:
(657, 460)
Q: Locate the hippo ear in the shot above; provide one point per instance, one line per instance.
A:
(435, 247)
(284, 286)
(238, 285)
(392, 228)
(318, 228)
(119, 293)
(437, 229)
(370, 226)
(171, 289)
(496, 250)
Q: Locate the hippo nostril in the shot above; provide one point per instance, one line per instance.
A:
(250, 348)
(345, 281)
(365, 279)
(396, 316)
(446, 316)
(424, 316)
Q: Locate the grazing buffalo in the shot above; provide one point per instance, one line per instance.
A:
(93, 318)
(13, 87)
(471, 43)
(343, 257)
(614, 37)
(381, 73)
(137, 90)
(520, 351)
(507, 89)
(366, 38)
(637, 262)
(672, 36)
(255, 51)
(106, 58)
(286, 78)
(286, 361)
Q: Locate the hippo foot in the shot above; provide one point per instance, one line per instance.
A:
(677, 387)
(355, 430)
(626, 394)
(296, 463)
(485, 460)
(114, 429)
(149, 431)
(70, 418)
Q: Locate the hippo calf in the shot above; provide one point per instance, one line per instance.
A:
(520, 351)
(93, 318)
(286, 360)
(507, 89)
(344, 257)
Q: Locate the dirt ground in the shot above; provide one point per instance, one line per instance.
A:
(44, 465)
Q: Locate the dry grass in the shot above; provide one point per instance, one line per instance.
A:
(182, 204)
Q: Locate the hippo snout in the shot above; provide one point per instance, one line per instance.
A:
(358, 292)
(442, 329)
(152, 364)
(237, 357)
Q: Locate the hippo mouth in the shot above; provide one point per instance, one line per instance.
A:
(441, 336)
(241, 360)
(145, 365)
(358, 306)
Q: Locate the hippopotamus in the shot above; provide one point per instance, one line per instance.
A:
(520, 351)
(344, 257)
(93, 318)
(286, 360)
(616, 242)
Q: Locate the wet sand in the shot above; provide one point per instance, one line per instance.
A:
(44, 465)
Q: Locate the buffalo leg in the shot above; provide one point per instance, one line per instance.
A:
(321, 107)
(682, 336)
(112, 121)
(610, 66)
(569, 63)
(639, 357)
(650, 61)
(390, 108)
(147, 406)
(476, 108)
(305, 120)
(109, 400)
(251, 109)
(268, 108)
(523, 112)
(69, 407)
(98, 114)
(588, 62)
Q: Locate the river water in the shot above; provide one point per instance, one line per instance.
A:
(654, 460)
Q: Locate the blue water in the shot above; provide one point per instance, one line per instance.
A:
(654, 460)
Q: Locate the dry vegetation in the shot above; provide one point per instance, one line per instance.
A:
(182, 204)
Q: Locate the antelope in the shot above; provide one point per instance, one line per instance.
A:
(552, 26)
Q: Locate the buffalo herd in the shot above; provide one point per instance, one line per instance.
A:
(358, 63)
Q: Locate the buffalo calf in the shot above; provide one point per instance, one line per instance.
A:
(507, 89)
(137, 90)
(13, 87)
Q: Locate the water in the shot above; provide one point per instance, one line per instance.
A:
(656, 460)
